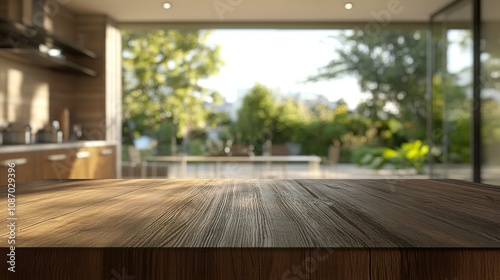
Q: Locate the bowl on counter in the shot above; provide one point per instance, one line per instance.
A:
(50, 134)
(49, 137)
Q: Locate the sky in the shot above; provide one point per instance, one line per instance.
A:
(279, 59)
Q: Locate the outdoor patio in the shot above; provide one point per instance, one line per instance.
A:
(270, 171)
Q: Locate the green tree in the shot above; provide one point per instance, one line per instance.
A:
(330, 125)
(289, 116)
(320, 110)
(391, 65)
(256, 116)
(161, 70)
(451, 119)
(215, 119)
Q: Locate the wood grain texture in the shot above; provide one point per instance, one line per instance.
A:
(98, 99)
(256, 229)
(253, 263)
(61, 23)
(3, 8)
(259, 213)
(427, 263)
(185, 263)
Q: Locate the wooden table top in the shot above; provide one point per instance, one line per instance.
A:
(256, 213)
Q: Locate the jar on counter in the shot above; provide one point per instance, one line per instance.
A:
(17, 134)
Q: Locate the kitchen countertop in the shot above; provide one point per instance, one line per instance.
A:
(254, 229)
(52, 146)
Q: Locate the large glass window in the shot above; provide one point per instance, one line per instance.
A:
(351, 98)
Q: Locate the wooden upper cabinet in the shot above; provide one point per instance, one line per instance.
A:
(26, 167)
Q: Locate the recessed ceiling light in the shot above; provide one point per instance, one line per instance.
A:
(348, 6)
(167, 5)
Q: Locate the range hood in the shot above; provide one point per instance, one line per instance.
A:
(31, 43)
(18, 35)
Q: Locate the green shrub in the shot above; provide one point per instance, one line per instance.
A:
(409, 155)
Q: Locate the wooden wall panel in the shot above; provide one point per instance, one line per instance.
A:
(13, 9)
(61, 91)
(98, 99)
(25, 95)
(3, 8)
(60, 21)
(31, 94)
(89, 98)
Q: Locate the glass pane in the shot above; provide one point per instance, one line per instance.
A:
(452, 93)
(490, 93)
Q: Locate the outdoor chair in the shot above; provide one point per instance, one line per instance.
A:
(332, 159)
(135, 159)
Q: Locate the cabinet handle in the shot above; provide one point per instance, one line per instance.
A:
(56, 157)
(16, 161)
(106, 152)
(82, 154)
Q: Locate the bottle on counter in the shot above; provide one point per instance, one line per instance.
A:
(65, 124)
(77, 132)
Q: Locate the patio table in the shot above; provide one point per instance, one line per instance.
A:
(313, 161)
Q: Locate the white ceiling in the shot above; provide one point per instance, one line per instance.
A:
(259, 10)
